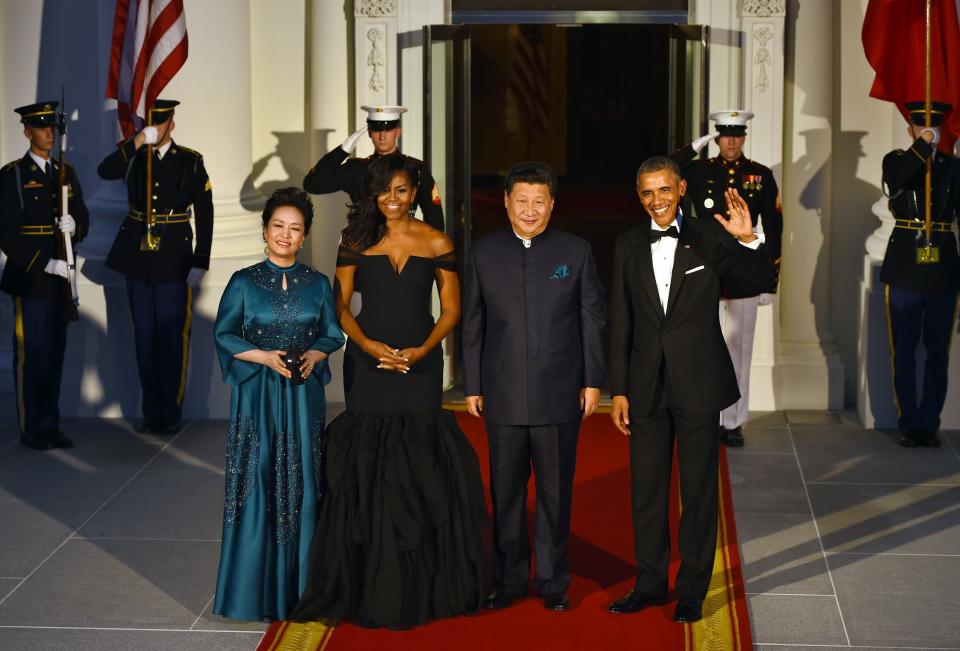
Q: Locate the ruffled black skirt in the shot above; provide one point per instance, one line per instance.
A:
(401, 536)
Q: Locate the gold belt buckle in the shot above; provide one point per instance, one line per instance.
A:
(926, 252)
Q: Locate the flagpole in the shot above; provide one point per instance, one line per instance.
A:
(149, 242)
(928, 217)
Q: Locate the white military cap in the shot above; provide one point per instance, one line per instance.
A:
(383, 113)
(731, 122)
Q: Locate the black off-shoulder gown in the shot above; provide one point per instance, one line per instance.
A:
(399, 540)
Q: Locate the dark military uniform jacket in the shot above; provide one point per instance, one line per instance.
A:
(179, 182)
(708, 179)
(29, 204)
(332, 174)
(904, 178)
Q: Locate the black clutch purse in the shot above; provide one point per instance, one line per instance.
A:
(292, 361)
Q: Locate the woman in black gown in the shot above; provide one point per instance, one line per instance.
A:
(399, 535)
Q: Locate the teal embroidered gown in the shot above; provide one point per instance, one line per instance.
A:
(273, 462)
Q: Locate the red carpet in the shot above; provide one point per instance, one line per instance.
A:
(601, 552)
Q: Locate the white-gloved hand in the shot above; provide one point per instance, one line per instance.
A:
(766, 299)
(703, 141)
(195, 276)
(150, 135)
(351, 142)
(57, 268)
(68, 225)
(935, 132)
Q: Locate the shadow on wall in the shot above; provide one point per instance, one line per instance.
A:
(292, 152)
(852, 223)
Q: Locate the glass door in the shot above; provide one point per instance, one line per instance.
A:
(689, 81)
(446, 123)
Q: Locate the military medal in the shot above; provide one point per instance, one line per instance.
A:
(708, 202)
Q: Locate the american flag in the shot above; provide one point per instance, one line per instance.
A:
(149, 47)
(527, 87)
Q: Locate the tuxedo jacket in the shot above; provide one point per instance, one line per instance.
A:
(684, 346)
(533, 327)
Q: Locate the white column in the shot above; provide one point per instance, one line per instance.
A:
(375, 59)
(328, 123)
(215, 117)
(811, 370)
(762, 24)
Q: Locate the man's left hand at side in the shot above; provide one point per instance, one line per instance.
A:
(195, 276)
(589, 399)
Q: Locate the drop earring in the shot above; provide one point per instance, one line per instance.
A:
(412, 213)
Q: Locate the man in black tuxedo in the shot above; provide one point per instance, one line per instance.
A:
(670, 374)
(533, 331)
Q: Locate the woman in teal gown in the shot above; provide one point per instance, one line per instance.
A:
(274, 457)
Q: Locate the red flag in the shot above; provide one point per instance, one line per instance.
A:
(149, 47)
(894, 42)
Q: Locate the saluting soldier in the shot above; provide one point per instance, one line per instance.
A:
(161, 257)
(335, 172)
(921, 288)
(36, 274)
(707, 180)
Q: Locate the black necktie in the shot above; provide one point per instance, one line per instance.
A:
(48, 168)
(670, 232)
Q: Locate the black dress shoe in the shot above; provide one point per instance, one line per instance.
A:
(635, 601)
(59, 439)
(558, 602)
(148, 426)
(689, 609)
(36, 441)
(171, 427)
(907, 440)
(732, 438)
(927, 439)
(498, 599)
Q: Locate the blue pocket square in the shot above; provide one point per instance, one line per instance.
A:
(560, 272)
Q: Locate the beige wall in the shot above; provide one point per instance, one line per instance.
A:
(861, 132)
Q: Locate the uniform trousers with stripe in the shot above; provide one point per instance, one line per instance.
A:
(162, 315)
(552, 451)
(738, 321)
(914, 317)
(39, 342)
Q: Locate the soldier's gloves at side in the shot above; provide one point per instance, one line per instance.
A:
(934, 132)
(766, 299)
(195, 276)
(57, 268)
(149, 135)
(68, 225)
(351, 142)
(703, 141)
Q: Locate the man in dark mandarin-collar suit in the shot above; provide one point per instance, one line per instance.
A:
(533, 332)
(670, 374)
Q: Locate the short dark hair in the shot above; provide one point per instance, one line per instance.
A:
(658, 164)
(533, 172)
(293, 197)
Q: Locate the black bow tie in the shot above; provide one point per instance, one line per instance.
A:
(670, 232)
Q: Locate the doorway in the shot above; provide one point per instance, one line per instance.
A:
(591, 100)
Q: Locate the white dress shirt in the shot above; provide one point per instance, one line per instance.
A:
(41, 162)
(526, 242)
(161, 151)
(663, 252)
